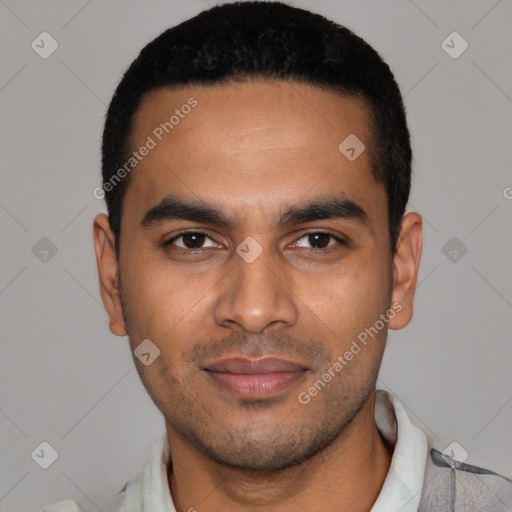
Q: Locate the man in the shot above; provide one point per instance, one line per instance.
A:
(256, 169)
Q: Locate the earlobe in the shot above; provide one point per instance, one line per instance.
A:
(104, 246)
(406, 264)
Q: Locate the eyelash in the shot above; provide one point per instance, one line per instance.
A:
(200, 249)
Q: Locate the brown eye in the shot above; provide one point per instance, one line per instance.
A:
(190, 240)
(193, 240)
(319, 240)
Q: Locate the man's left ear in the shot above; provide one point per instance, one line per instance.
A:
(406, 263)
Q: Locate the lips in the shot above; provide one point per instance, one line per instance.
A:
(246, 366)
(254, 378)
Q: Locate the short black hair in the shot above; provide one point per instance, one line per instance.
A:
(273, 41)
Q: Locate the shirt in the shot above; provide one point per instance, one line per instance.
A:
(420, 478)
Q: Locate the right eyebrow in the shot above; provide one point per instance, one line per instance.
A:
(173, 208)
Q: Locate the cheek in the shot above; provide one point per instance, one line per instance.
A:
(356, 289)
(164, 310)
(165, 303)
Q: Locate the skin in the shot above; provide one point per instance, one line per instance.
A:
(253, 150)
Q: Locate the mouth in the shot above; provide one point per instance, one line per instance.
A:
(254, 378)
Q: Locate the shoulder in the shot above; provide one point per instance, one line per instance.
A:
(131, 495)
(128, 499)
(453, 486)
(63, 506)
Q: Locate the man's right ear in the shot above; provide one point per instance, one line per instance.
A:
(104, 246)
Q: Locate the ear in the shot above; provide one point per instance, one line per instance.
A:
(104, 246)
(406, 263)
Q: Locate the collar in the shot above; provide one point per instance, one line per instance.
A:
(401, 492)
(402, 488)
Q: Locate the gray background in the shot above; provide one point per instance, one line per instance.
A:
(66, 380)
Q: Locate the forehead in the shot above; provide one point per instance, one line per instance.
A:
(259, 144)
(238, 114)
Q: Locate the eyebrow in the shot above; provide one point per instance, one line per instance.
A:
(174, 208)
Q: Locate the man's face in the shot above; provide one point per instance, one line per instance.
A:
(253, 152)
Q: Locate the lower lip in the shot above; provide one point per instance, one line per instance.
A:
(261, 385)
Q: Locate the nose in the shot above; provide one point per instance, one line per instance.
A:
(256, 294)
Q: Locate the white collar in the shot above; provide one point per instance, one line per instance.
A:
(402, 488)
(401, 491)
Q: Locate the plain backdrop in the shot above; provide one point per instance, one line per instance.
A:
(65, 380)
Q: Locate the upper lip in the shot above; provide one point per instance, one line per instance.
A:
(248, 366)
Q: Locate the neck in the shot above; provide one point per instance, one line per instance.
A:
(347, 475)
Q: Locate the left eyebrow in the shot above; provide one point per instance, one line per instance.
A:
(174, 208)
(325, 209)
